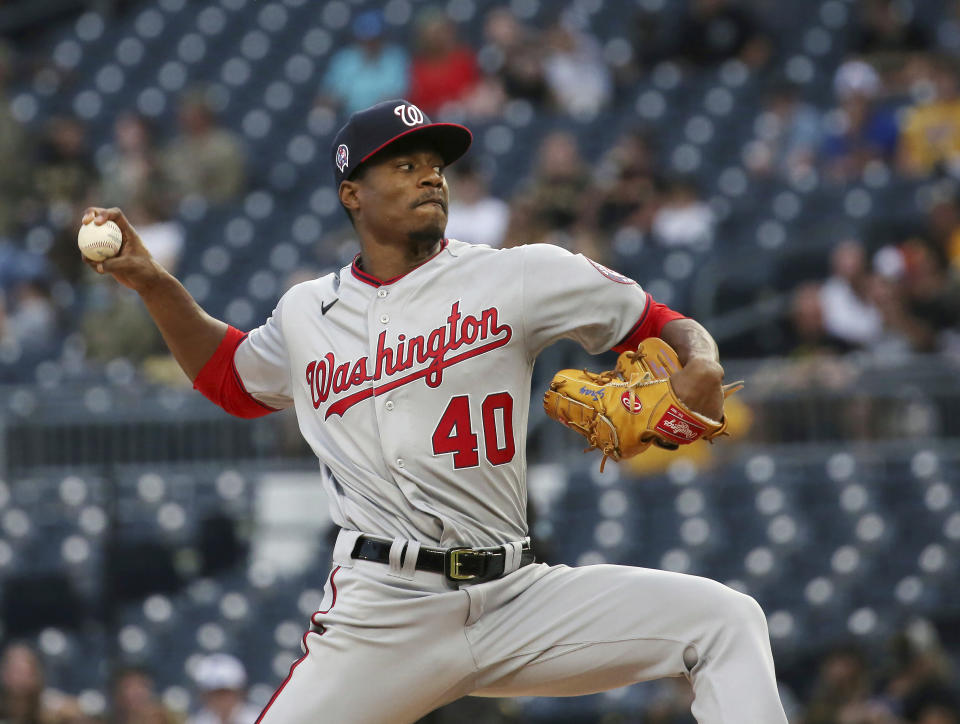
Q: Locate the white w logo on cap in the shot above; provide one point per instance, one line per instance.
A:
(410, 115)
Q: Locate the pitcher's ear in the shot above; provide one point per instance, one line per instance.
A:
(349, 195)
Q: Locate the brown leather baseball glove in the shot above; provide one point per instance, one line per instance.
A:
(623, 411)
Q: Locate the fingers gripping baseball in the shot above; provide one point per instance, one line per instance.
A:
(132, 265)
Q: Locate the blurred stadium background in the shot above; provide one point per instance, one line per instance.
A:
(785, 171)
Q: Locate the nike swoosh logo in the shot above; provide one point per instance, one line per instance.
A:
(324, 308)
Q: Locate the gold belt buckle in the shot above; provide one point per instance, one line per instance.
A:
(454, 563)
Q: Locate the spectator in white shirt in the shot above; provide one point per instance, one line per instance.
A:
(684, 219)
(222, 682)
(474, 214)
(848, 312)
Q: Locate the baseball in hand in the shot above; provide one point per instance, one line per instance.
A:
(99, 242)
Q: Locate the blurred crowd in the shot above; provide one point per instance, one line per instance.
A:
(909, 680)
(219, 688)
(896, 111)
(49, 174)
(887, 297)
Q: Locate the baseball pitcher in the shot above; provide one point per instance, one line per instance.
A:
(410, 372)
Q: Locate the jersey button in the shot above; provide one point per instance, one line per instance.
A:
(384, 318)
(381, 292)
(389, 405)
(400, 462)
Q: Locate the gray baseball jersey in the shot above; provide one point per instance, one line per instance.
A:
(414, 393)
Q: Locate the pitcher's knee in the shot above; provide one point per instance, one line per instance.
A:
(743, 614)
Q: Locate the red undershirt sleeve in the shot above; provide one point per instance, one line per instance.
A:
(220, 383)
(651, 321)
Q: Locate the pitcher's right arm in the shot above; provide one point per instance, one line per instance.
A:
(202, 345)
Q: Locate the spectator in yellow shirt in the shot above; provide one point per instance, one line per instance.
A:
(930, 136)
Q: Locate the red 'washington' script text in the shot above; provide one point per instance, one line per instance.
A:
(325, 375)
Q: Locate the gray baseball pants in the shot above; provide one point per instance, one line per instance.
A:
(391, 644)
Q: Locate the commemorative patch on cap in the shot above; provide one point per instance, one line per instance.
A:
(343, 156)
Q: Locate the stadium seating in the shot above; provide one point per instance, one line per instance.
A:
(832, 550)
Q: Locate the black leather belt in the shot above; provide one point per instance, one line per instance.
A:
(457, 564)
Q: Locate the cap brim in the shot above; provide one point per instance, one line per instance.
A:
(451, 139)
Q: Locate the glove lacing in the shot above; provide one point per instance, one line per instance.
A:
(607, 448)
(603, 378)
(613, 377)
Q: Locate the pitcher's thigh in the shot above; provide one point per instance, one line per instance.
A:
(581, 630)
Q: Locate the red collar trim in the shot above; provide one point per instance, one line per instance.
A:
(374, 282)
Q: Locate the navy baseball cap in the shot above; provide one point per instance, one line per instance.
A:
(371, 130)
